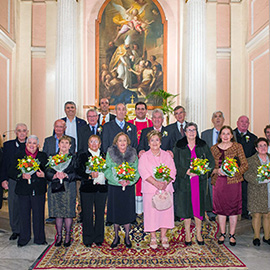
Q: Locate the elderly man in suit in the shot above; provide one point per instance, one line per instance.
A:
(93, 128)
(50, 146)
(166, 142)
(177, 129)
(210, 136)
(105, 115)
(112, 128)
(11, 148)
(73, 122)
(247, 139)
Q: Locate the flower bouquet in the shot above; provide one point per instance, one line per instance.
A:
(199, 166)
(263, 174)
(162, 173)
(59, 163)
(28, 165)
(96, 164)
(229, 167)
(124, 172)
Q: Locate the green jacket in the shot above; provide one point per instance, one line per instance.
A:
(114, 158)
(182, 158)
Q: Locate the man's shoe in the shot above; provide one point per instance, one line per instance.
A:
(99, 244)
(50, 220)
(14, 236)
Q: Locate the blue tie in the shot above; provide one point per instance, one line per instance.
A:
(94, 129)
(122, 125)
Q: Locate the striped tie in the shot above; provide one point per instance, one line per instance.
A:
(103, 120)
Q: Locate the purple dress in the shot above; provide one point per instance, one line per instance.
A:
(227, 198)
(195, 191)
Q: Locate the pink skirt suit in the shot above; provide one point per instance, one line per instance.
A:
(154, 219)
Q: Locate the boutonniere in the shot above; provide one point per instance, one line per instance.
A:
(247, 138)
(99, 129)
(128, 128)
(165, 133)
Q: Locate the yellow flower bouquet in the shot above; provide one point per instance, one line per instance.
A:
(199, 166)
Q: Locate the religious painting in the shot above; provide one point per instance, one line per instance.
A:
(131, 51)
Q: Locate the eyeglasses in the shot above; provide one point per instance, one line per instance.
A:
(191, 130)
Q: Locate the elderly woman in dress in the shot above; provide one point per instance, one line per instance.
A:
(121, 203)
(227, 191)
(153, 218)
(31, 191)
(93, 195)
(191, 189)
(62, 191)
(258, 193)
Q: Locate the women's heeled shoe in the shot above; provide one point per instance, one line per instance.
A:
(256, 242)
(58, 242)
(164, 242)
(266, 241)
(128, 244)
(200, 243)
(188, 243)
(232, 243)
(67, 244)
(220, 242)
(115, 243)
(153, 243)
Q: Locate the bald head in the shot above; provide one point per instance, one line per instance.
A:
(243, 123)
(59, 128)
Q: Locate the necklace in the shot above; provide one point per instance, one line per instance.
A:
(155, 155)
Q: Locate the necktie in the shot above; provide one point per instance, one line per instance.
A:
(122, 125)
(103, 120)
(216, 139)
(242, 134)
(182, 130)
(94, 130)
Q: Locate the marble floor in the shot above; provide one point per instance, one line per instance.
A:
(13, 258)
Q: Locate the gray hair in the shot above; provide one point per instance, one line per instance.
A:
(91, 110)
(191, 124)
(158, 111)
(32, 137)
(20, 124)
(214, 113)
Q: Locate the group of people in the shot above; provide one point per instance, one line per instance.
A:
(143, 145)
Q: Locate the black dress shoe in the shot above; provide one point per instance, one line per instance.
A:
(99, 244)
(21, 245)
(188, 243)
(43, 243)
(266, 241)
(200, 243)
(88, 245)
(115, 243)
(256, 242)
(246, 216)
(14, 236)
(128, 244)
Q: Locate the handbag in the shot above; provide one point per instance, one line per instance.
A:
(57, 187)
(162, 200)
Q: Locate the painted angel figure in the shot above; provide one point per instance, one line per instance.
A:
(130, 19)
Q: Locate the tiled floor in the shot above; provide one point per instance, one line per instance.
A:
(14, 258)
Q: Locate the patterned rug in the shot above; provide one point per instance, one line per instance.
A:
(141, 256)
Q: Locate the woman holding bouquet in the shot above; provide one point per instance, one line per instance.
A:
(227, 190)
(62, 190)
(258, 196)
(92, 194)
(153, 218)
(31, 188)
(121, 193)
(191, 188)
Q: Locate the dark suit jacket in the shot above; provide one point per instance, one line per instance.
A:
(247, 143)
(79, 123)
(11, 148)
(87, 183)
(207, 136)
(49, 146)
(166, 142)
(111, 117)
(174, 132)
(84, 133)
(38, 184)
(111, 129)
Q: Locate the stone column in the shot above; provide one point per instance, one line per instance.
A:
(66, 76)
(195, 86)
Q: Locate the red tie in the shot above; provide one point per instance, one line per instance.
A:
(182, 130)
(103, 120)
